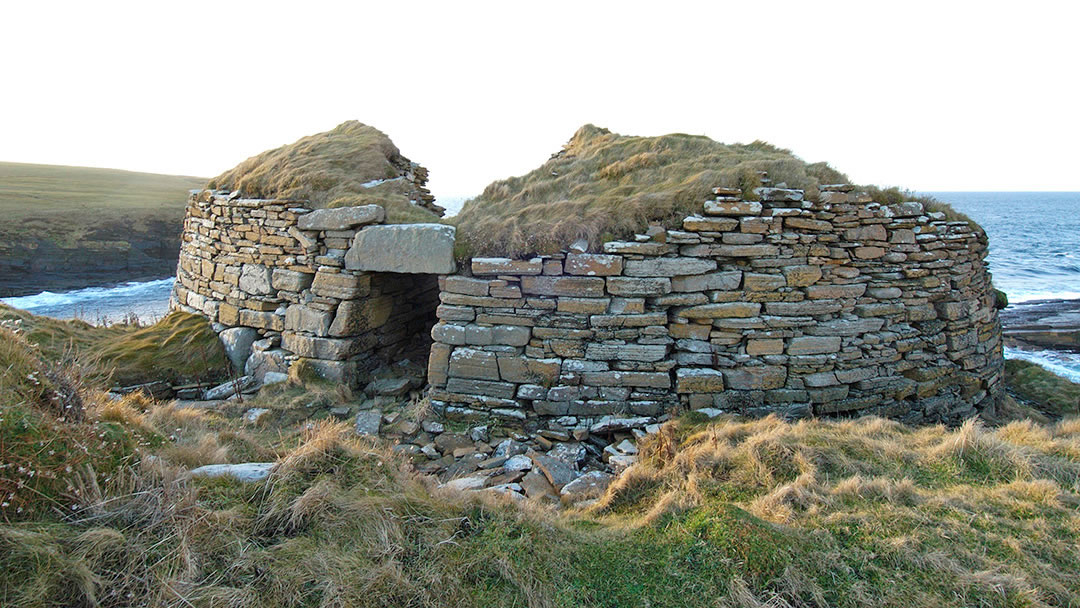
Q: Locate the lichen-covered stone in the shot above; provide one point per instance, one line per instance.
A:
(404, 248)
(342, 218)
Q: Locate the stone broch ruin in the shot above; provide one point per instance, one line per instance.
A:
(832, 306)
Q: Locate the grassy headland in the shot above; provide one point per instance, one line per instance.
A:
(98, 509)
(70, 227)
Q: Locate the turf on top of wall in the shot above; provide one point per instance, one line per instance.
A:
(603, 186)
(352, 164)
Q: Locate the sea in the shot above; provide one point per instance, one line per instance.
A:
(1034, 255)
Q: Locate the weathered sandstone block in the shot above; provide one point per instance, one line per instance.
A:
(291, 280)
(254, 279)
(592, 264)
(486, 266)
(717, 281)
(709, 224)
(355, 317)
(698, 380)
(668, 267)
(341, 285)
(320, 348)
(406, 248)
(732, 207)
(753, 281)
(302, 318)
(585, 287)
(625, 352)
(342, 218)
(801, 275)
(633, 286)
(755, 377)
(473, 363)
(813, 345)
(721, 311)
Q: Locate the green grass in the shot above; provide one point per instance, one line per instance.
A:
(1050, 393)
(330, 169)
(725, 513)
(603, 186)
(182, 347)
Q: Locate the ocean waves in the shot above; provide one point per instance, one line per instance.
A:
(1066, 365)
(146, 300)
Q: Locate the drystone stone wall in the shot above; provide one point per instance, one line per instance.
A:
(835, 306)
(330, 288)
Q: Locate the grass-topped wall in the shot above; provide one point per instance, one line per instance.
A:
(604, 186)
(351, 165)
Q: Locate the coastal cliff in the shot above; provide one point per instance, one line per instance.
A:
(73, 227)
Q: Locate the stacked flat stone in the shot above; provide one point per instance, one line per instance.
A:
(835, 306)
(301, 280)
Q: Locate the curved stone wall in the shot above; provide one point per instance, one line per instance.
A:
(836, 306)
(332, 286)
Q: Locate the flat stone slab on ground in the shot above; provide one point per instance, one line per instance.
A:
(589, 486)
(230, 388)
(247, 471)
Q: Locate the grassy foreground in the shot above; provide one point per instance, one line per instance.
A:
(861, 513)
(97, 509)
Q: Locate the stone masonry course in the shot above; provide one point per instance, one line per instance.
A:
(833, 306)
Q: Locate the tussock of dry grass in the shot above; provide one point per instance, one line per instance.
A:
(990, 513)
(732, 513)
(865, 512)
(332, 169)
(603, 186)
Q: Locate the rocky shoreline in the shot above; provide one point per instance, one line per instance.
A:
(43, 266)
(1043, 325)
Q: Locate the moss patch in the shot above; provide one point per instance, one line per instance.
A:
(181, 347)
(1047, 391)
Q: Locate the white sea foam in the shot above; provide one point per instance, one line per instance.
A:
(1042, 295)
(147, 300)
(1066, 365)
(45, 299)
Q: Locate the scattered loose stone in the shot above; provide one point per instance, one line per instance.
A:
(248, 471)
(255, 414)
(368, 423)
(589, 486)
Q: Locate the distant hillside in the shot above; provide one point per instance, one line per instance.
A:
(71, 227)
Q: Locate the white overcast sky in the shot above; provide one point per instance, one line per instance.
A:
(928, 95)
